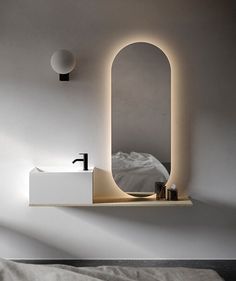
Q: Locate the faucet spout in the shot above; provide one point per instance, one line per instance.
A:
(84, 160)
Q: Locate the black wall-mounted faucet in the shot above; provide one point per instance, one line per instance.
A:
(84, 160)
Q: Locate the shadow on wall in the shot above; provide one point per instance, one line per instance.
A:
(203, 225)
(200, 214)
(15, 241)
(149, 233)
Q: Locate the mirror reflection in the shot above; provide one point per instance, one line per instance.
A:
(141, 96)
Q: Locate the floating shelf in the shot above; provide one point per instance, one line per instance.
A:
(185, 202)
(53, 187)
(138, 202)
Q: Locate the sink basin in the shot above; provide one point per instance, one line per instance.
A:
(60, 186)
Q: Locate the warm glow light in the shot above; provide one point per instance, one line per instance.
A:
(178, 172)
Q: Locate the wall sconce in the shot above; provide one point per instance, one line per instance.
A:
(63, 62)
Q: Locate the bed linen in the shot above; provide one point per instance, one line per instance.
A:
(137, 172)
(12, 271)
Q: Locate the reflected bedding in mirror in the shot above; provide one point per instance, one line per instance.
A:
(137, 172)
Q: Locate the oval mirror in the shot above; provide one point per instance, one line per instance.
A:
(141, 107)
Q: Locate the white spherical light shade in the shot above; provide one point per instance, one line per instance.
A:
(63, 61)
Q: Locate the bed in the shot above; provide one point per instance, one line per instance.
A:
(137, 172)
(13, 271)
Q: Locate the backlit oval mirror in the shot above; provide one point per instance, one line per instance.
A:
(141, 112)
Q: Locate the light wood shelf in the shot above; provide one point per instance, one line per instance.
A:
(184, 202)
(143, 203)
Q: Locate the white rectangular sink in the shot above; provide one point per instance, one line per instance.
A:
(54, 186)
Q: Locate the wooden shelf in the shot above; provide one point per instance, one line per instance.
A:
(184, 202)
(145, 203)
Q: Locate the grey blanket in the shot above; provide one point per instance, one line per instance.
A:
(12, 271)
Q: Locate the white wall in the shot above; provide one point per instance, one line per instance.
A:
(44, 122)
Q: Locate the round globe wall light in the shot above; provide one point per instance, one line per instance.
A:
(63, 62)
